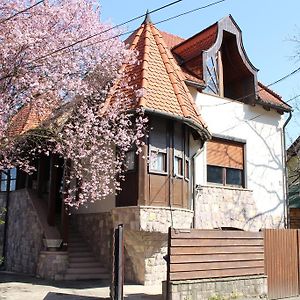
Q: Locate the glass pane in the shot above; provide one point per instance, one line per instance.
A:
(3, 176)
(130, 160)
(13, 185)
(234, 176)
(178, 170)
(215, 174)
(3, 185)
(13, 173)
(158, 161)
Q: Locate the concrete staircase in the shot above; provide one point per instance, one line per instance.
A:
(82, 262)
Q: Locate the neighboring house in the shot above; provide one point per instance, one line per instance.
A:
(293, 169)
(215, 159)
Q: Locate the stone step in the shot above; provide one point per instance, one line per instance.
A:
(78, 259)
(81, 254)
(84, 264)
(82, 248)
(86, 276)
(90, 270)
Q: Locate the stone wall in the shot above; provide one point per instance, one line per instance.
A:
(220, 288)
(52, 265)
(152, 219)
(96, 229)
(24, 234)
(217, 207)
(146, 237)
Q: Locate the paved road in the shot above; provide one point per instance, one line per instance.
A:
(19, 287)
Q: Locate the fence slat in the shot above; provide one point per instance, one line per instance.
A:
(217, 242)
(214, 257)
(217, 250)
(215, 273)
(216, 265)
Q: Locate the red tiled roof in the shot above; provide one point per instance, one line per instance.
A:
(160, 76)
(27, 118)
(269, 97)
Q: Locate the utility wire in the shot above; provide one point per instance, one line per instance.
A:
(104, 31)
(259, 90)
(189, 11)
(21, 11)
(131, 31)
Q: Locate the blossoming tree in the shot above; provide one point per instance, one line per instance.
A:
(58, 59)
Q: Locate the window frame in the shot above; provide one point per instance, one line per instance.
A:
(229, 140)
(134, 161)
(11, 179)
(157, 151)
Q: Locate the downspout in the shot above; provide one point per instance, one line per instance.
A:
(198, 152)
(6, 217)
(285, 176)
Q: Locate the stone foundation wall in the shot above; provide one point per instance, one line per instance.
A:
(52, 265)
(217, 207)
(146, 237)
(220, 288)
(24, 234)
(152, 219)
(97, 230)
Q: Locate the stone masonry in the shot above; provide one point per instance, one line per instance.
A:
(25, 234)
(52, 265)
(96, 229)
(145, 237)
(217, 207)
(250, 287)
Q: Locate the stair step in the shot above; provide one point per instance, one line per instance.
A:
(72, 249)
(81, 254)
(90, 270)
(85, 264)
(79, 259)
(86, 276)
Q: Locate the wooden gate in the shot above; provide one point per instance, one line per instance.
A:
(282, 262)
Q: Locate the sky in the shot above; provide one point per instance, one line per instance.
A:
(268, 29)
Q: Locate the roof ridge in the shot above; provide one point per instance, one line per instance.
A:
(145, 63)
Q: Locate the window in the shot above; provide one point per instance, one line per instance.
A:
(225, 162)
(158, 161)
(4, 178)
(178, 140)
(130, 160)
(158, 147)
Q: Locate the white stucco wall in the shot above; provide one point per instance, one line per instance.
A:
(262, 131)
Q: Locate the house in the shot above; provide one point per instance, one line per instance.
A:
(293, 183)
(215, 159)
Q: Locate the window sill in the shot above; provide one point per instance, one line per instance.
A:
(227, 187)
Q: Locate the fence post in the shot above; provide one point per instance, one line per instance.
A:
(118, 264)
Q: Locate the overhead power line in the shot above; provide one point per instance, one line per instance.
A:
(21, 11)
(189, 11)
(106, 30)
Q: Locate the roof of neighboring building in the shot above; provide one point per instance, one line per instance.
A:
(27, 118)
(294, 149)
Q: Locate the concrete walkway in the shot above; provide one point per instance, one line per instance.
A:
(20, 287)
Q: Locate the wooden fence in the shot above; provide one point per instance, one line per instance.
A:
(282, 262)
(200, 254)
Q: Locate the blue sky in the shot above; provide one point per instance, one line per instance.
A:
(267, 25)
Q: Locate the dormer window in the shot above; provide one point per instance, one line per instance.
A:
(227, 70)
